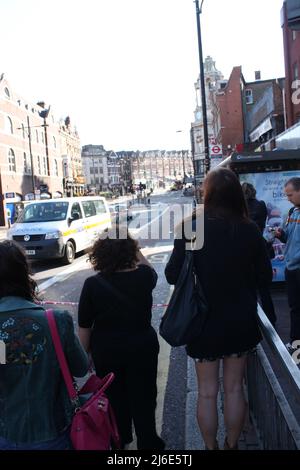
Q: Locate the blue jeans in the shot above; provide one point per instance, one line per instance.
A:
(61, 442)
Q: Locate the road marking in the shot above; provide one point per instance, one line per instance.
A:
(63, 274)
(162, 374)
(134, 231)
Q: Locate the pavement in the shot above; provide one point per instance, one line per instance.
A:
(193, 438)
(3, 231)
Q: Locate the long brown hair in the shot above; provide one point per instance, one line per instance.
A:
(15, 276)
(223, 195)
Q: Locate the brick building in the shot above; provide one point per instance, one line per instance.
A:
(32, 144)
(263, 112)
(290, 22)
(230, 104)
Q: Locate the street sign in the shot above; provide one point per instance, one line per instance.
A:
(215, 150)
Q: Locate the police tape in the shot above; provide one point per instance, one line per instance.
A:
(75, 304)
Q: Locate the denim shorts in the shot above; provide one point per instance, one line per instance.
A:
(62, 442)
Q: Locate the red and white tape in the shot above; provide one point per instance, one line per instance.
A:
(75, 304)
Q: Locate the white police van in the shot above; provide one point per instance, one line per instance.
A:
(59, 228)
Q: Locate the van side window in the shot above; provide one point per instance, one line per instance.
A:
(89, 208)
(76, 208)
(100, 207)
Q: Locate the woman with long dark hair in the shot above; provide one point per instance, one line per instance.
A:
(114, 317)
(232, 263)
(35, 409)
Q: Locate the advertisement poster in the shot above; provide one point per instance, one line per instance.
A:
(270, 189)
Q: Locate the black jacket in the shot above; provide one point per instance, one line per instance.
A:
(257, 212)
(231, 265)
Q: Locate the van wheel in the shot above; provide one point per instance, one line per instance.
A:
(69, 255)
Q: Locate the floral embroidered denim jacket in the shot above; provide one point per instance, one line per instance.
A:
(34, 403)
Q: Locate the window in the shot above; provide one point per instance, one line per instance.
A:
(89, 208)
(37, 135)
(11, 160)
(54, 142)
(55, 168)
(45, 166)
(42, 135)
(294, 35)
(48, 211)
(25, 163)
(249, 96)
(100, 207)
(23, 130)
(296, 71)
(9, 125)
(39, 165)
(7, 93)
(76, 209)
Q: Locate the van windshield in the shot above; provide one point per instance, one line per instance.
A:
(44, 212)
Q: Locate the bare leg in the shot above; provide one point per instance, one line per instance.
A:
(207, 413)
(234, 399)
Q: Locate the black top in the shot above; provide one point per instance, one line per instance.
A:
(100, 309)
(121, 329)
(231, 265)
(258, 212)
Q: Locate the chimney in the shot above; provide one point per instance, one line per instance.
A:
(257, 75)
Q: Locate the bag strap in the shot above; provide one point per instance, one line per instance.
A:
(61, 356)
(115, 292)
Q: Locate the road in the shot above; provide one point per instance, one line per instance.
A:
(60, 284)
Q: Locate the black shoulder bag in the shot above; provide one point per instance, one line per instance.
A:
(186, 314)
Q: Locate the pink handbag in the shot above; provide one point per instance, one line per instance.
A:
(93, 425)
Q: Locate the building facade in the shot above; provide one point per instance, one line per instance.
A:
(213, 77)
(290, 22)
(263, 102)
(73, 177)
(160, 168)
(32, 147)
(95, 168)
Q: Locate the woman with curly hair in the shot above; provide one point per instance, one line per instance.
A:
(35, 409)
(115, 327)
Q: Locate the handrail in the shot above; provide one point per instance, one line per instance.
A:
(272, 396)
(279, 349)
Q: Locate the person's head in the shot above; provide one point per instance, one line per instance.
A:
(223, 194)
(114, 253)
(15, 278)
(292, 190)
(249, 191)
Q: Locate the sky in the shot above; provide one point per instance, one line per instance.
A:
(124, 70)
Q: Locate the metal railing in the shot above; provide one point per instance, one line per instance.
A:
(270, 408)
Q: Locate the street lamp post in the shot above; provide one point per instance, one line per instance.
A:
(182, 156)
(193, 156)
(202, 81)
(31, 157)
(44, 114)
